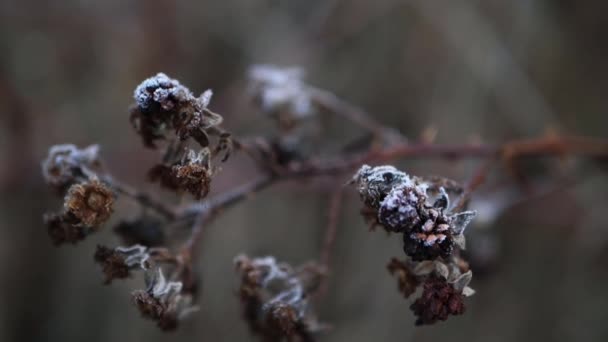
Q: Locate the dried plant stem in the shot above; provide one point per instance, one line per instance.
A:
(544, 146)
(334, 104)
(479, 178)
(333, 217)
(206, 210)
(331, 230)
(322, 167)
(141, 198)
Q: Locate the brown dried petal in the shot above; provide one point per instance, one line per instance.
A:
(112, 263)
(89, 202)
(282, 318)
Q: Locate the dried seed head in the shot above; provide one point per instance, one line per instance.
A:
(163, 103)
(375, 183)
(65, 228)
(66, 164)
(89, 202)
(163, 301)
(428, 241)
(438, 301)
(117, 263)
(282, 317)
(398, 211)
(274, 297)
(192, 174)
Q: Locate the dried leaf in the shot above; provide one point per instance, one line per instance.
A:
(443, 202)
(461, 220)
(460, 241)
(468, 292)
(463, 280)
(441, 269)
(424, 268)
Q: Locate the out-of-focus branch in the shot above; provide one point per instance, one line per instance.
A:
(333, 216)
(206, 210)
(327, 100)
(141, 198)
(544, 146)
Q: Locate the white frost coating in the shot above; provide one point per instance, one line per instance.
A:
(162, 90)
(374, 183)
(161, 288)
(62, 161)
(136, 255)
(281, 88)
(205, 98)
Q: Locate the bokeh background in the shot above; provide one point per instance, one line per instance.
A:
(484, 71)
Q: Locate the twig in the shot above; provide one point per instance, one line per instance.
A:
(207, 210)
(333, 216)
(142, 198)
(478, 179)
(334, 104)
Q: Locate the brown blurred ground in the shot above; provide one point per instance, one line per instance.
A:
(485, 70)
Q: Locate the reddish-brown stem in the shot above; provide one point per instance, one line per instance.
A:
(141, 198)
(206, 210)
(334, 104)
(478, 179)
(333, 216)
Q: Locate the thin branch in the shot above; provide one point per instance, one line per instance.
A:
(478, 179)
(141, 198)
(334, 104)
(206, 210)
(333, 216)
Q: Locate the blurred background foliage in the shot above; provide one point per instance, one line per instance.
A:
(484, 71)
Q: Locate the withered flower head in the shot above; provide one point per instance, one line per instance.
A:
(282, 317)
(118, 262)
(275, 298)
(163, 301)
(438, 301)
(281, 92)
(398, 211)
(89, 202)
(444, 287)
(66, 164)
(406, 204)
(163, 104)
(64, 228)
(192, 174)
(374, 183)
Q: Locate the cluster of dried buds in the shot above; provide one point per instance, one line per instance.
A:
(166, 110)
(89, 193)
(88, 202)
(162, 301)
(275, 298)
(432, 233)
(163, 104)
